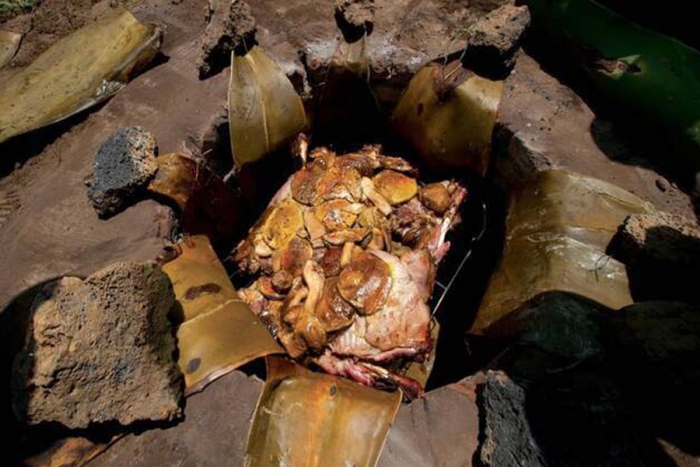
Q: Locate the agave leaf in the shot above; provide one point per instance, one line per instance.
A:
(201, 196)
(264, 109)
(557, 232)
(307, 419)
(219, 333)
(77, 72)
(448, 113)
(645, 75)
(9, 43)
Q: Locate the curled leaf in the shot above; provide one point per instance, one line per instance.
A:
(218, 333)
(558, 229)
(308, 419)
(264, 109)
(77, 72)
(208, 207)
(448, 114)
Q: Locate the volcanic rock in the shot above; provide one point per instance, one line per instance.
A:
(231, 27)
(124, 165)
(100, 350)
(508, 440)
(661, 252)
(492, 42)
(556, 322)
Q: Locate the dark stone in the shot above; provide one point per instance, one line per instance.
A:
(493, 41)
(100, 350)
(124, 165)
(508, 441)
(556, 322)
(231, 28)
(662, 254)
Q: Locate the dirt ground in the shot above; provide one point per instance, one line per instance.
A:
(49, 229)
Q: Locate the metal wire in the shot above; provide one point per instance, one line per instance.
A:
(472, 241)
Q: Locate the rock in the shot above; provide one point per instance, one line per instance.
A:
(508, 440)
(574, 413)
(231, 28)
(662, 337)
(440, 429)
(543, 124)
(355, 18)
(100, 350)
(556, 322)
(655, 353)
(661, 252)
(493, 41)
(124, 165)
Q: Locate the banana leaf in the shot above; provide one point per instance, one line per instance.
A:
(448, 114)
(77, 72)
(218, 333)
(307, 419)
(264, 110)
(9, 43)
(558, 228)
(208, 207)
(646, 75)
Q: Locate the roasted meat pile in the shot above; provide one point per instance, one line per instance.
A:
(344, 261)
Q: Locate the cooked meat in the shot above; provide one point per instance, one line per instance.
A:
(343, 262)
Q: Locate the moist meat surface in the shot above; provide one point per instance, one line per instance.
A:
(343, 261)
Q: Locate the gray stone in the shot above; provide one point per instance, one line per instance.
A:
(124, 165)
(100, 350)
(662, 254)
(508, 441)
(493, 41)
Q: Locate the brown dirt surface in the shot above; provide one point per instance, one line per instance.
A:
(543, 124)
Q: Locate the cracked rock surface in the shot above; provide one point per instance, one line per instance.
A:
(100, 350)
(124, 165)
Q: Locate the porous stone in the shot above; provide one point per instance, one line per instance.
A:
(100, 350)
(231, 28)
(508, 440)
(124, 165)
(662, 253)
(492, 42)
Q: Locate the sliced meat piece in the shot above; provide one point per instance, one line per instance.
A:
(366, 283)
(354, 235)
(370, 191)
(330, 262)
(295, 256)
(401, 326)
(337, 214)
(332, 310)
(395, 187)
(436, 197)
(339, 183)
(282, 224)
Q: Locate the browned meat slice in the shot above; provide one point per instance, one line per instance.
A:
(343, 262)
